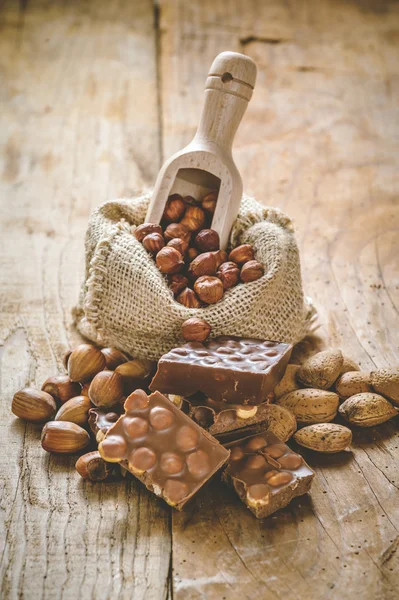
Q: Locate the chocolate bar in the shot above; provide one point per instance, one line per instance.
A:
(163, 448)
(101, 419)
(220, 418)
(266, 474)
(228, 369)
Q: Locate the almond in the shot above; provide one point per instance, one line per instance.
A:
(63, 437)
(33, 406)
(321, 370)
(353, 382)
(288, 383)
(324, 437)
(281, 421)
(386, 382)
(75, 410)
(349, 365)
(311, 405)
(367, 409)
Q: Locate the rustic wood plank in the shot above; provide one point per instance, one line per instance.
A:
(78, 126)
(318, 141)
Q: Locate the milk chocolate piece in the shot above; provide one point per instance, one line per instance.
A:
(266, 473)
(220, 418)
(163, 448)
(101, 419)
(229, 369)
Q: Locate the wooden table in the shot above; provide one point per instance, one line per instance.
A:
(94, 95)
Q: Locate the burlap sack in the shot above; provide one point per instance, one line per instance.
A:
(126, 302)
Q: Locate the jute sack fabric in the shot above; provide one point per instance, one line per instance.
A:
(126, 302)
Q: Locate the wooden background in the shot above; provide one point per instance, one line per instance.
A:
(94, 95)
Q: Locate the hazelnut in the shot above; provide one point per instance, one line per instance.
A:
(179, 245)
(66, 358)
(209, 202)
(242, 254)
(188, 298)
(229, 274)
(64, 437)
(251, 271)
(85, 389)
(106, 389)
(195, 330)
(174, 209)
(145, 229)
(138, 368)
(209, 289)
(177, 230)
(207, 240)
(169, 260)
(221, 257)
(113, 358)
(33, 406)
(91, 466)
(194, 218)
(61, 388)
(191, 201)
(177, 283)
(192, 253)
(204, 264)
(75, 410)
(153, 243)
(135, 374)
(85, 362)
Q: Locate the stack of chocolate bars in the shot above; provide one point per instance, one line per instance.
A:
(172, 449)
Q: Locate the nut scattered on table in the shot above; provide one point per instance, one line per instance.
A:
(321, 370)
(353, 382)
(106, 389)
(367, 409)
(75, 410)
(113, 357)
(33, 406)
(85, 362)
(328, 438)
(288, 383)
(63, 437)
(386, 382)
(61, 388)
(91, 466)
(311, 405)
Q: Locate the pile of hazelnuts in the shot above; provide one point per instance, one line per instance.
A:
(188, 252)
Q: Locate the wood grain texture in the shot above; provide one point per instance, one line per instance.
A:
(91, 94)
(318, 141)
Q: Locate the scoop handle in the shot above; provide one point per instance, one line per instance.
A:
(228, 89)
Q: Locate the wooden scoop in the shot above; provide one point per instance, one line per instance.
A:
(206, 164)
